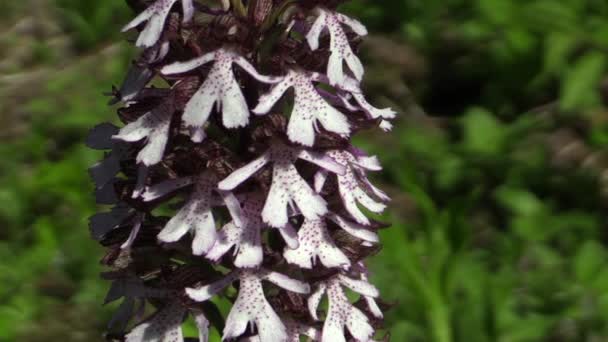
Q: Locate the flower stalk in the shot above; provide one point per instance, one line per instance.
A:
(240, 174)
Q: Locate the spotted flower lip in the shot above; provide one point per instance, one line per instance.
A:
(342, 314)
(152, 126)
(196, 215)
(210, 201)
(246, 239)
(220, 88)
(251, 304)
(155, 17)
(287, 186)
(340, 49)
(294, 331)
(315, 242)
(353, 185)
(309, 108)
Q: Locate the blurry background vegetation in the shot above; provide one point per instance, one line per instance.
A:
(498, 165)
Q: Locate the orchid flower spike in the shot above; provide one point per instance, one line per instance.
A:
(211, 202)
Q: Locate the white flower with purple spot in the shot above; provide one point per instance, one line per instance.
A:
(251, 305)
(309, 108)
(154, 127)
(196, 215)
(341, 313)
(155, 17)
(220, 88)
(351, 87)
(246, 239)
(315, 242)
(295, 331)
(340, 49)
(354, 185)
(371, 301)
(288, 187)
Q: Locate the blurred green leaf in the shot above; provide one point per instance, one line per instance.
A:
(582, 81)
(483, 133)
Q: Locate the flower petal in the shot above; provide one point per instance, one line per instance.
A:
(198, 109)
(322, 160)
(275, 208)
(235, 112)
(234, 208)
(315, 31)
(195, 216)
(311, 204)
(204, 293)
(355, 229)
(133, 234)
(252, 306)
(247, 242)
(188, 10)
(142, 17)
(315, 242)
(320, 179)
(267, 101)
(359, 286)
(242, 174)
(354, 24)
(164, 188)
(290, 236)
(358, 325)
(315, 299)
(243, 63)
(182, 67)
(287, 283)
(155, 25)
(202, 325)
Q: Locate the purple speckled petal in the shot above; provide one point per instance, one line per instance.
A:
(322, 160)
(309, 107)
(315, 299)
(242, 174)
(154, 126)
(341, 52)
(155, 15)
(251, 306)
(342, 314)
(196, 217)
(220, 87)
(353, 185)
(355, 229)
(315, 242)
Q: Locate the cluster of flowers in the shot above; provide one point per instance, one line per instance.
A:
(285, 181)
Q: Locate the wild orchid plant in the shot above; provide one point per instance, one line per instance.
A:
(224, 142)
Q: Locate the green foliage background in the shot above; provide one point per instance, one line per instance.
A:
(498, 166)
